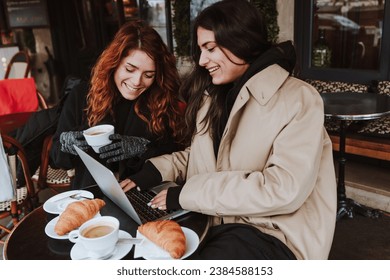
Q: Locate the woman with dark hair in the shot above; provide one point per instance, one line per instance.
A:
(134, 86)
(260, 161)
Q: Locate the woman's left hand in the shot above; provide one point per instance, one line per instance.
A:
(160, 200)
(123, 147)
(127, 185)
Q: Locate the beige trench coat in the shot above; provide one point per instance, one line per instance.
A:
(274, 168)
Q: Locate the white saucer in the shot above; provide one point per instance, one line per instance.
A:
(150, 251)
(49, 229)
(58, 203)
(121, 249)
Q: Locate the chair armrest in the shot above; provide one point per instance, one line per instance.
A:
(44, 166)
(9, 143)
(41, 100)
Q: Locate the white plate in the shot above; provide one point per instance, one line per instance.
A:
(57, 204)
(121, 249)
(150, 251)
(49, 229)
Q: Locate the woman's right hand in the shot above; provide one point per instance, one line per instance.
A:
(127, 185)
(70, 138)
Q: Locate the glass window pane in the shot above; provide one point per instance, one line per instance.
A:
(347, 34)
(154, 11)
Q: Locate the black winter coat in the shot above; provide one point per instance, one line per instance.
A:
(40, 125)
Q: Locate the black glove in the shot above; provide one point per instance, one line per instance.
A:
(127, 147)
(70, 138)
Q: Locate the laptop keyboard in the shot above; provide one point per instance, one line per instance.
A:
(140, 201)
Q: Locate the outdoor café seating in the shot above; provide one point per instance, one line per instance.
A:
(15, 200)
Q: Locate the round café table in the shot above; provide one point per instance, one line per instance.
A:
(28, 240)
(351, 106)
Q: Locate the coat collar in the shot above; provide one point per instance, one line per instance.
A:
(265, 84)
(262, 86)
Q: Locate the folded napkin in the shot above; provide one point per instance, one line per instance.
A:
(6, 184)
(18, 95)
(148, 250)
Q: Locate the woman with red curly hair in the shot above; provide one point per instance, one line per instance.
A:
(134, 86)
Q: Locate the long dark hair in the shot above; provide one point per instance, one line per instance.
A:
(239, 27)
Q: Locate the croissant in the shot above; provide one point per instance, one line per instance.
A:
(167, 234)
(76, 213)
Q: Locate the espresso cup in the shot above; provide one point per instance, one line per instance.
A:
(98, 136)
(98, 236)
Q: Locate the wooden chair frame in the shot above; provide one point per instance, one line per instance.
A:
(21, 56)
(17, 208)
(41, 101)
(44, 174)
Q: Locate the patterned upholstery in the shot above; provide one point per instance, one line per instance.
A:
(379, 127)
(55, 176)
(332, 86)
(333, 125)
(384, 87)
(21, 194)
(46, 176)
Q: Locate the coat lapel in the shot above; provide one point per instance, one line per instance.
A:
(261, 87)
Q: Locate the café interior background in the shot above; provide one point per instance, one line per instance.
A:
(39, 41)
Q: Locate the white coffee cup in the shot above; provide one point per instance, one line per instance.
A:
(98, 136)
(98, 236)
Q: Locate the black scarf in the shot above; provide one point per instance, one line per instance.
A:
(282, 54)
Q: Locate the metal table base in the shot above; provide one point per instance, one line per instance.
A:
(350, 106)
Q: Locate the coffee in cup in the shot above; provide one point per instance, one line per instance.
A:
(98, 136)
(96, 231)
(98, 236)
(96, 133)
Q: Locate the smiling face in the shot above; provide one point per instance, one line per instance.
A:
(224, 67)
(135, 74)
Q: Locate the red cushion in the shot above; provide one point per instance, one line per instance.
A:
(18, 95)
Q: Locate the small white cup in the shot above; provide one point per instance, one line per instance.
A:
(98, 136)
(98, 236)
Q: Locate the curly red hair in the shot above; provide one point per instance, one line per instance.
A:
(162, 101)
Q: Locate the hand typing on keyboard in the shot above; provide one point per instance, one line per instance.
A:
(127, 185)
(141, 203)
(160, 200)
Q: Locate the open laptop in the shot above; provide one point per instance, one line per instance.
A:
(133, 202)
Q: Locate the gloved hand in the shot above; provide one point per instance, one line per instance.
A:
(127, 147)
(70, 138)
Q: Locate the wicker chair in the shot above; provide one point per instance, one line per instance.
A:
(57, 180)
(25, 199)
